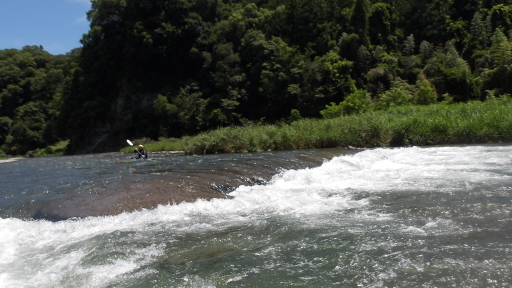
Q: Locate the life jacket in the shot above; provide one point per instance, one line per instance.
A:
(141, 152)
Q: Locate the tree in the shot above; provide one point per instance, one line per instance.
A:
(191, 106)
(337, 72)
(501, 49)
(398, 95)
(501, 17)
(31, 83)
(269, 65)
(28, 128)
(426, 93)
(409, 46)
(229, 81)
(163, 112)
(451, 74)
(348, 46)
(10, 99)
(364, 59)
(465, 9)
(478, 32)
(426, 51)
(497, 79)
(383, 23)
(176, 67)
(294, 116)
(5, 129)
(360, 21)
(357, 102)
(331, 111)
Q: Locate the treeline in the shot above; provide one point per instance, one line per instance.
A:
(32, 85)
(168, 68)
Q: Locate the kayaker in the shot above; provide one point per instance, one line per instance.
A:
(141, 153)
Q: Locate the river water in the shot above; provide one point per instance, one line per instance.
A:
(404, 217)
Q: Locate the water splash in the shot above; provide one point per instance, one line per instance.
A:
(381, 217)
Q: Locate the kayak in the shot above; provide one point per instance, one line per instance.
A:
(133, 160)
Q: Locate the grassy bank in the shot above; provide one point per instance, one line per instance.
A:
(463, 123)
(152, 146)
(55, 150)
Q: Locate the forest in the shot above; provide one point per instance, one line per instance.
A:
(172, 68)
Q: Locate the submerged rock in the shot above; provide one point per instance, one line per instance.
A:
(131, 197)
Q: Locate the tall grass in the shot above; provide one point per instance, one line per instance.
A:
(170, 144)
(463, 123)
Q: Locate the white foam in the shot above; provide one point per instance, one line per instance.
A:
(42, 253)
(8, 160)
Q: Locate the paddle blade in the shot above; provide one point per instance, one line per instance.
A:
(129, 142)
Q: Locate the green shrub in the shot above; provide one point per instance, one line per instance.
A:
(425, 96)
(396, 96)
(331, 110)
(356, 102)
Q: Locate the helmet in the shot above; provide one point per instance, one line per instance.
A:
(140, 146)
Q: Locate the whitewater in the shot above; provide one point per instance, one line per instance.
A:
(403, 217)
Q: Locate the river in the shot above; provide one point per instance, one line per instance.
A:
(403, 217)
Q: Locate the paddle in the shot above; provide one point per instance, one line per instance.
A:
(131, 144)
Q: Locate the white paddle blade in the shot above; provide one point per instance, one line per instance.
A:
(129, 142)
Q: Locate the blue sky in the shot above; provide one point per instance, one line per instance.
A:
(57, 25)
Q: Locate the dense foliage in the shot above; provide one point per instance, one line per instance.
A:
(168, 68)
(31, 94)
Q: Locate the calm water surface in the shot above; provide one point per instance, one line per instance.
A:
(408, 217)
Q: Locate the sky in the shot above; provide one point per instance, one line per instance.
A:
(57, 25)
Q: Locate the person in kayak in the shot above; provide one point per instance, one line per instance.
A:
(141, 152)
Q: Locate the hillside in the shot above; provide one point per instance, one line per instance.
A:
(169, 68)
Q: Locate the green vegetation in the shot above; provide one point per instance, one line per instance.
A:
(464, 123)
(471, 123)
(169, 144)
(167, 69)
(52, 150)
(31, 87)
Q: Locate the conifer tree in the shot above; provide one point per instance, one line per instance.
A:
(360, 20)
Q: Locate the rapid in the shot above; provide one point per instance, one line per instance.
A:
(386, 217)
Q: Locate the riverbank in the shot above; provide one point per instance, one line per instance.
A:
(440, 124)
